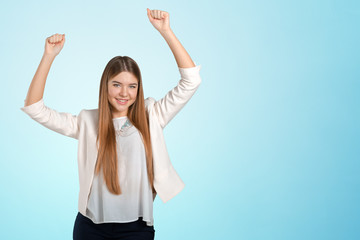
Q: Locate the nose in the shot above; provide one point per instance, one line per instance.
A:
(123, 92)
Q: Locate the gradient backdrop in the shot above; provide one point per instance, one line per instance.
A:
(268, 147)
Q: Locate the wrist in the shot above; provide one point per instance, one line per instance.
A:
(49, 56)
(166, 32)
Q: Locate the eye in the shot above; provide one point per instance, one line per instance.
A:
(133, 86)
(116, 84)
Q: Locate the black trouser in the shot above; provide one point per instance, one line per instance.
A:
(85, 229)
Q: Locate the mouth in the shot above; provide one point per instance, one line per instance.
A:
(121, 101)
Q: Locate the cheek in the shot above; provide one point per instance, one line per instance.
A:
(134, 94)
(111, 92)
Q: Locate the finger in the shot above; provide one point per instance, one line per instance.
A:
(161, 14)
(149, 14)
(158, 14)
(54, 38)
(155, 14)
(59, 37)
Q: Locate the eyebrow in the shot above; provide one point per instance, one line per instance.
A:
(121, 83)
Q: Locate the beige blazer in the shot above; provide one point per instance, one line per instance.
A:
(82, 127)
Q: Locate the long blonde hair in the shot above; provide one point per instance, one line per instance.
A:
(106, 140)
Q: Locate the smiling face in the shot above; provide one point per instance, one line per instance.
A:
(122, 93)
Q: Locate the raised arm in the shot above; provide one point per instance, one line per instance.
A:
(53, 46)
(61, 122)
(167, 107)
(161, 21)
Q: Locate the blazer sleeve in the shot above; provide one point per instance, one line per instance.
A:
(60, 122)
(167, 107)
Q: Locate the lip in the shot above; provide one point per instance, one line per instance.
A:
(121, 103)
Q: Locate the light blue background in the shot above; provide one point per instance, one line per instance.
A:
(268, 147)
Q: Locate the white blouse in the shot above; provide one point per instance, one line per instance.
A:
(136, 199)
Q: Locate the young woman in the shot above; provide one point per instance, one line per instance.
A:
(123, 162)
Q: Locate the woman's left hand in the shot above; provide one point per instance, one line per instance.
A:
(159, 19)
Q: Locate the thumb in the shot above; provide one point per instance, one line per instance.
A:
(149, 14)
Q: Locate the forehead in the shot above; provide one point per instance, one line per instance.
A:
(124, 77)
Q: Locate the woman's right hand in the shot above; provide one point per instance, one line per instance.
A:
(54, 44)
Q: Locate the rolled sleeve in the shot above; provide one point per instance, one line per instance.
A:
(60, 122)
(34, 108)
(167, 107)
(191, 75)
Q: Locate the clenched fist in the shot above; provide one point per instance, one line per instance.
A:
(54, 44)
(159, 19)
